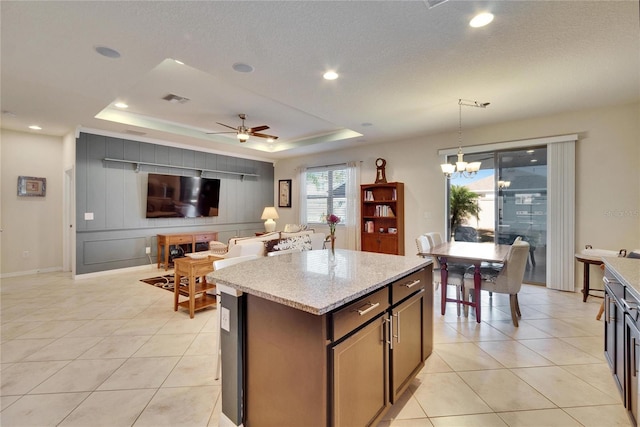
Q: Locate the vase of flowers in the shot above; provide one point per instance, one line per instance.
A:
(332, 220)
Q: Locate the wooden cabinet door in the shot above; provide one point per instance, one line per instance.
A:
(609, 330)
(406, 343)
(360, 376)
(633, 343)
(381, 243)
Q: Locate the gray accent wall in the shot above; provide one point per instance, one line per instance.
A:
(116, 196)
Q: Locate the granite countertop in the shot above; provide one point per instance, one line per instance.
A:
(317, 281)
(626, 270)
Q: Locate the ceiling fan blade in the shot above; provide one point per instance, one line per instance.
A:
(227, 126)
(263, 135)
(259, 128)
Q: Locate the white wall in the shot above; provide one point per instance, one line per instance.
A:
(607, 182)
(31, 224)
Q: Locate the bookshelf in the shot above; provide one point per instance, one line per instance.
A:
(382, 212)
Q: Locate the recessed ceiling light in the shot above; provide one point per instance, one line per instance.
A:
(530, 151)
(534, 161)
(107, 51)
(481, 19)
(330, 75)
(35, 127)
(242, 68)
(121, 105)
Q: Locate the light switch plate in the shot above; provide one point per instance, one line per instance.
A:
(88, 216)
(225, 321)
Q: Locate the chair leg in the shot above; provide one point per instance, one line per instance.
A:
(514, 316)
(459, 290)
(468, 297)
(518, 306)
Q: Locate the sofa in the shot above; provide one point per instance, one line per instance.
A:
(276, 241)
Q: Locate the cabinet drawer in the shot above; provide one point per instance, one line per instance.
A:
(359, 312)
(400, 289)
(177, 240)
(206, 237)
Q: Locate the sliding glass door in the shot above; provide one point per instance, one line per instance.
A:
(511, 189)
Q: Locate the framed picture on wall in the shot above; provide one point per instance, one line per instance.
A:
(284, 193)
(30, 186)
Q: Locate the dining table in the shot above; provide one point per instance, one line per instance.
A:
(471, 253)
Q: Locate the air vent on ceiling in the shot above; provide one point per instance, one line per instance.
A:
(134, 132)
(176, 99)
(434, 3)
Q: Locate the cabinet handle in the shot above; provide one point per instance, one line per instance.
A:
(390, 331)
(412, 284)
(397, 337)
(362, 312)
(635, 363)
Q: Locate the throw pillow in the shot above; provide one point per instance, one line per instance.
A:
(302, 243)
(270, 244)
(294, 228)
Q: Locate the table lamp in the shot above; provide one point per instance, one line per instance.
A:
(269, 213)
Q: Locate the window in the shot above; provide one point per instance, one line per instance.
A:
(326, 193)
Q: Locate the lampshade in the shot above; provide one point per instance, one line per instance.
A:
(269, 213)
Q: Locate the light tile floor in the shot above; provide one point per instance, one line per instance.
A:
(110, 351)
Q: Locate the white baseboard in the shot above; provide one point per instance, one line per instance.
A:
(146, 267)
(30, 272)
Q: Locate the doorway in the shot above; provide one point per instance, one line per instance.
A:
(512, 199)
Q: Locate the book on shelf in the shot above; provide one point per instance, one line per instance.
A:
(384, 210)
(368, 196)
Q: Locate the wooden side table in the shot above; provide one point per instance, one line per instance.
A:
(164, 241)
(193, 268)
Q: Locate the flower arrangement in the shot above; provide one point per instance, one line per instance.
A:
(332, 220)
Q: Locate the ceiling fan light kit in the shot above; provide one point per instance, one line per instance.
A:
(243, 133)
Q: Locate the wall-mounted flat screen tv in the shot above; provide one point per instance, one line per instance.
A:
(172, 196)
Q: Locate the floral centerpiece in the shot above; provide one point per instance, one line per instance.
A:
(332, 220)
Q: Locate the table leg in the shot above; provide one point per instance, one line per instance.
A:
(176, 290)
(158, 253)
(444, 279)
(192, 295)
(585, 285)
(477, 284)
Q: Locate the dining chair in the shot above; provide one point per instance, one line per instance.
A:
(454, 277)
(217, 265)
(506, 280)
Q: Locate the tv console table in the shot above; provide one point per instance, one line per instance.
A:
(166, 240)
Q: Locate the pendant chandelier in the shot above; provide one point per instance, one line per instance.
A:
(462, 168)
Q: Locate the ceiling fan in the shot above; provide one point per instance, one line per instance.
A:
(243, 133)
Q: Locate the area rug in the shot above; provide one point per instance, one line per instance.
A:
(165, 282)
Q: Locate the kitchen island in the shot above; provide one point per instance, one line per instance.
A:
(622, 328)
(322, 339)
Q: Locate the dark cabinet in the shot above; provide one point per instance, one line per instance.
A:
(622, 340)
(614, 332)
(342, 368)
(633, 337)
(360, 376)
(373, 366)
(406, 343)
